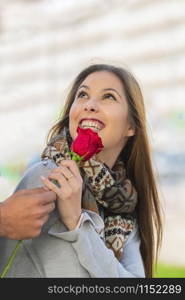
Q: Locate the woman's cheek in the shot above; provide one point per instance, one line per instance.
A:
(103, 137)
(72, 132)
(71, 128)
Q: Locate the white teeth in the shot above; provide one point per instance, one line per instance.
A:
(90, 124)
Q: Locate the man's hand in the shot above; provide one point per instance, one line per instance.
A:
(23, 214)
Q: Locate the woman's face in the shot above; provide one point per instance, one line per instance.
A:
(100, 104)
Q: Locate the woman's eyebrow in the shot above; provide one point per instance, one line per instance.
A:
(111, 89)
(83, 86)
(107, 89)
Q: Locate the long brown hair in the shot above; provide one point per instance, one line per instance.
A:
(136, 155)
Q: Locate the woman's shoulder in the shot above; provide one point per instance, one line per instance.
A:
(31, 177)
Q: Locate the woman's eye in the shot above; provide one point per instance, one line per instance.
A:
(109, 96)
(81, 95)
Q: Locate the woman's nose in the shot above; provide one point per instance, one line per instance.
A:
(91, 105)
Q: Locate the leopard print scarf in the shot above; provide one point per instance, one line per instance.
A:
(107, 192)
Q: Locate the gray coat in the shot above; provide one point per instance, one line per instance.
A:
(58, 252)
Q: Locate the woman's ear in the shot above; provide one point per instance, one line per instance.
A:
(131, 130)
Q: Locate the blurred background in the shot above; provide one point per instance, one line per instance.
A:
(43, 46)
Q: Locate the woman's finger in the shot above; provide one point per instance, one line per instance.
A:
(60, 179)
(50, 185)
(64, 171)
(72, 166)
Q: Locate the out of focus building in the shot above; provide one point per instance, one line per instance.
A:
(45, 43)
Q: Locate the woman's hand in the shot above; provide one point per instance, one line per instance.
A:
(69, 193)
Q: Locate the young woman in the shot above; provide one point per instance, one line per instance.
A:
(108, 208)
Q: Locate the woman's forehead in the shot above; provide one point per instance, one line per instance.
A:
(103, 79)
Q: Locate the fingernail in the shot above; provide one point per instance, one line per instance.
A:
(45, 188)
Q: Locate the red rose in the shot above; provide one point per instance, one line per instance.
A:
(86, 144)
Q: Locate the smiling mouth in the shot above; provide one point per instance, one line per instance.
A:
(94, 125)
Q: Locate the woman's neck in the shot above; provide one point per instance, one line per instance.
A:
(108, 158)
